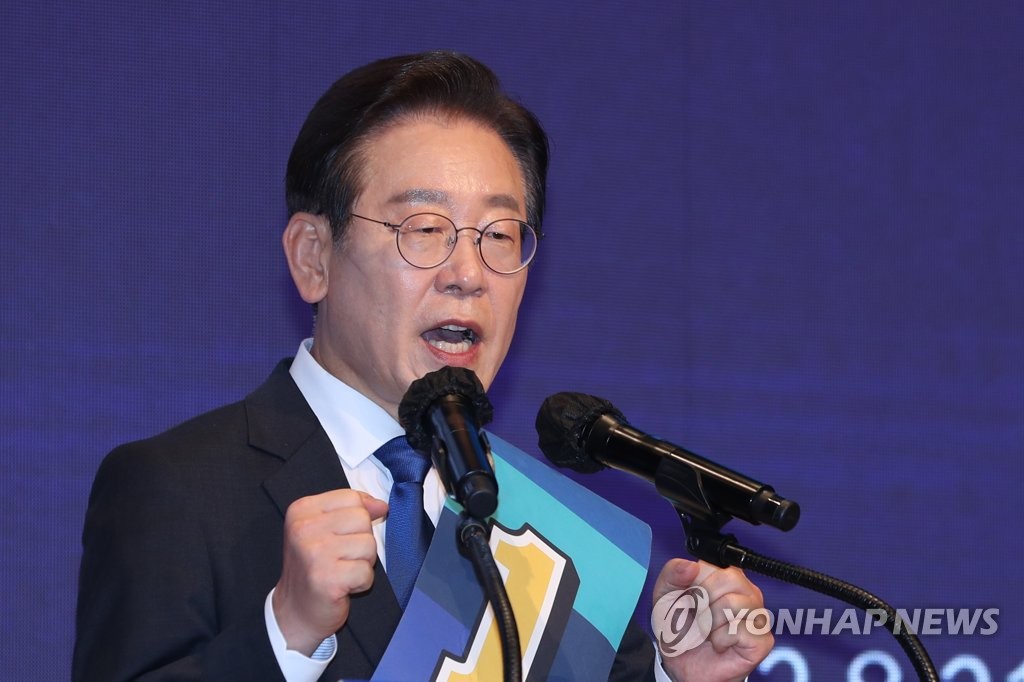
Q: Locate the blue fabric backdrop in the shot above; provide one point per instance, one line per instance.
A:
(787, 235)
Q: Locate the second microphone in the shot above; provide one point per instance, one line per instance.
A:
(586, 434)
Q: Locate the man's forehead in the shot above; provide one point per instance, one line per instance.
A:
(439, 197)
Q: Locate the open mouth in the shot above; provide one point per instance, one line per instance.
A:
(451, 338)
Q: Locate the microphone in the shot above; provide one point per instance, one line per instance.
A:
(585, 434)
(442, 413)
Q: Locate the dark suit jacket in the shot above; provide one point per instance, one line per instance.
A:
(183, 541)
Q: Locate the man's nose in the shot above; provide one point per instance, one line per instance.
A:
(464, 270)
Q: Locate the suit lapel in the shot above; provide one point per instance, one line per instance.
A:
(281, 423)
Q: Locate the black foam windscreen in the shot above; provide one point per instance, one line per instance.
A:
(426, 390)
(562, 424)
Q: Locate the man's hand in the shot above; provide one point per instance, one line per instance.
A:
(329, 553)
(723, 656)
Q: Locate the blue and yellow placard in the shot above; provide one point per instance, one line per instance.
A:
(573, 565)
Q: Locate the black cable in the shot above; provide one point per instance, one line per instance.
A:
(473, 536)
(710, 545)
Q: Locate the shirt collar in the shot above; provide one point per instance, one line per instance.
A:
(356, 425)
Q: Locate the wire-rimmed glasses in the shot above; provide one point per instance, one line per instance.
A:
(425, 240)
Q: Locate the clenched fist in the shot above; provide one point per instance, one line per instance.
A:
(329, 553)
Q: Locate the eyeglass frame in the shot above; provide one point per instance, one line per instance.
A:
(478, 242)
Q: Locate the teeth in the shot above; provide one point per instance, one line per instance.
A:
(448, 347)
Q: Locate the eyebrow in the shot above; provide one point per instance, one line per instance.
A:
(421, 195)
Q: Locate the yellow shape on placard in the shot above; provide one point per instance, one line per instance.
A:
(532, 572)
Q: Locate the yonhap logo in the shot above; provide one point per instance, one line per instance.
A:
(681, 620)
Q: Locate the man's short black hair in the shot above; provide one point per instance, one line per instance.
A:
(325, 166)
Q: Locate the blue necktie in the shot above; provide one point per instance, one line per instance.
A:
(408, 530)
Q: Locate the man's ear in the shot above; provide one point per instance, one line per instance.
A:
(307, 245)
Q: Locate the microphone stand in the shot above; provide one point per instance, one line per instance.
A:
(705, 540)
(472, 534)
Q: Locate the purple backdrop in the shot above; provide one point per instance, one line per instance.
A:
(787, 235)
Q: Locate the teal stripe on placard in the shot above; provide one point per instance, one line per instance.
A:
(610, 579)
(601, 514)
